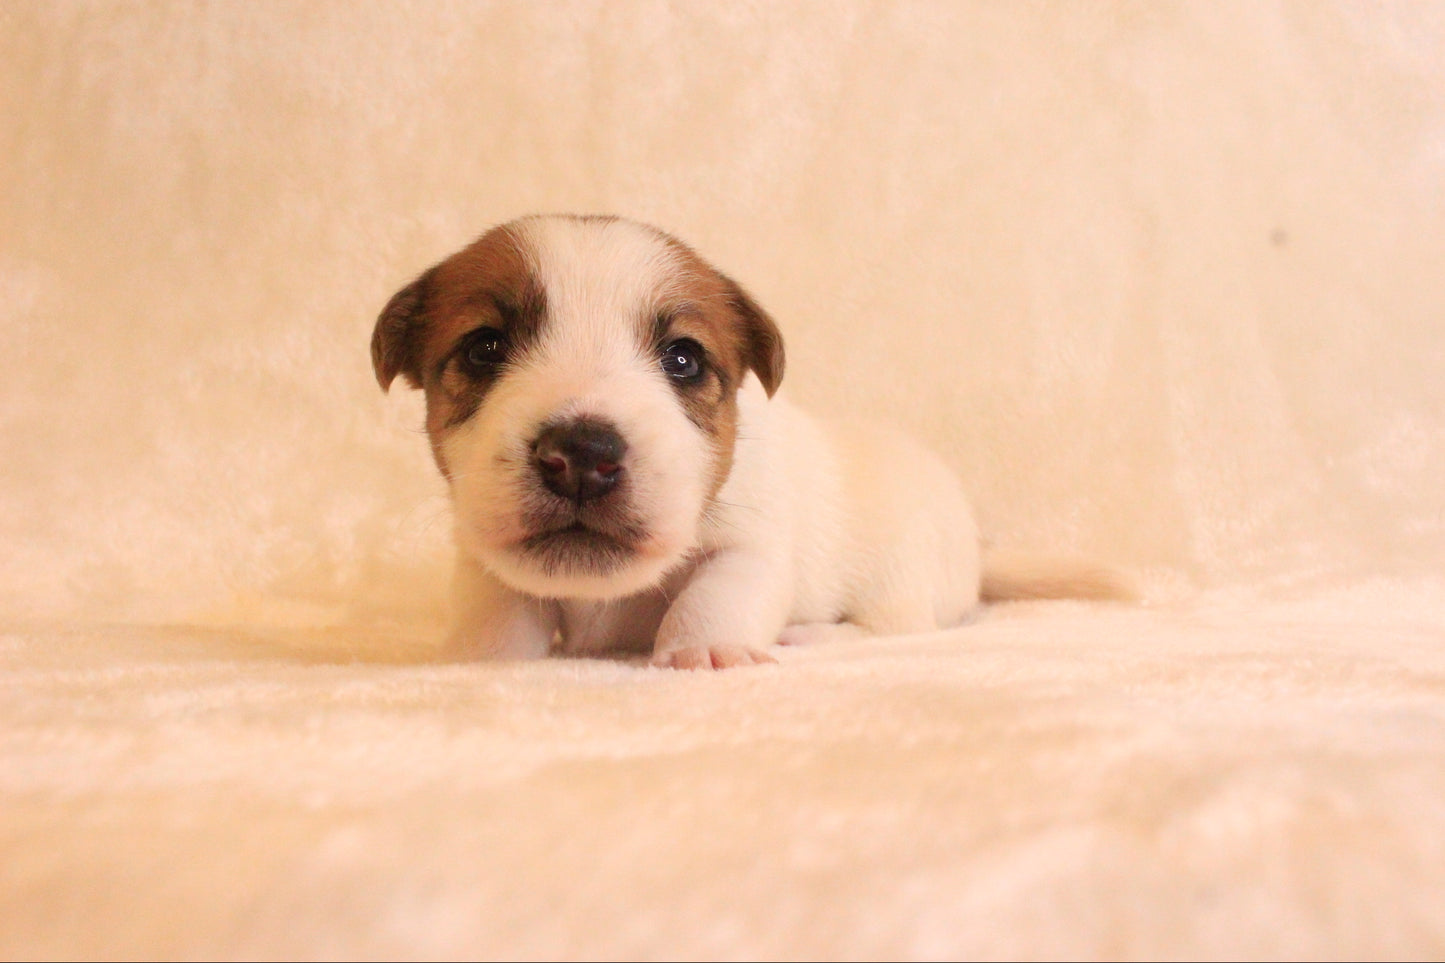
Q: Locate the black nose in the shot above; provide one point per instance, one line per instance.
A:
(580, 460)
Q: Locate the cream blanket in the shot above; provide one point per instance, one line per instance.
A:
(1232, 779)
(1162, 281)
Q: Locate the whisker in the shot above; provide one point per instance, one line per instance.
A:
(738, 506)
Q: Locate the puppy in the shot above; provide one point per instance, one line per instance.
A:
(603, 405)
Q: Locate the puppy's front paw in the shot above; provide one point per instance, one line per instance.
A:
(710, 657)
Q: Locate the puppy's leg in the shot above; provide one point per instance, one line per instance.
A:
(900, 602)
(492, 621)
(730, 611)
(927, 581)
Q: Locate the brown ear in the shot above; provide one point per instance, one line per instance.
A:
(762, 341)
(396, 341)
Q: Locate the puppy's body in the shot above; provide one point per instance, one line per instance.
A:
(815, 525)
(625, 479)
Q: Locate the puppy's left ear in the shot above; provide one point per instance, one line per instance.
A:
(762, 341)
(396, 341)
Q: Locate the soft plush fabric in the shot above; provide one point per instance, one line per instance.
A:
(1162, 281)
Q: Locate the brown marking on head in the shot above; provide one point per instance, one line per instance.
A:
(752, 337)
(422, 334)
(737, 336)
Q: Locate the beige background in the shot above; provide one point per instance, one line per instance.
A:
(1163, 280)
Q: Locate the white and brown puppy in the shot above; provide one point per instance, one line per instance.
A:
(602, 403)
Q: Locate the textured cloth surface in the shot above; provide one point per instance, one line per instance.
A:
(1226, 779)
(1161, 281)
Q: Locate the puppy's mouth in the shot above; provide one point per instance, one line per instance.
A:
(576, 535)
(577, 548)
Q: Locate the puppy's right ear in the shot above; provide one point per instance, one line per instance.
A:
(762, 341)
(396, 341)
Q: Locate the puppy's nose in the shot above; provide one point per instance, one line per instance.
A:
(579, 460)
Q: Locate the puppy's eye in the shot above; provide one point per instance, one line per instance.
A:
(683, 360)
(483, 351)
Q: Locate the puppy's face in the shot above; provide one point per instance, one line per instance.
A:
(581, 378)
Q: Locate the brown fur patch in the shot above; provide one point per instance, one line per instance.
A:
(488, 284)
(737, 335)
(752, 339)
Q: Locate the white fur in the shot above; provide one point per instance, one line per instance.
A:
(814, 525)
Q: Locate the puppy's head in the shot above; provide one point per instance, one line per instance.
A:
(581, 379)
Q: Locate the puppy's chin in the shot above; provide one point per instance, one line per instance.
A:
(581, 563)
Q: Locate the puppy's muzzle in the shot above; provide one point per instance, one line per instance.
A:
(579, 460)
